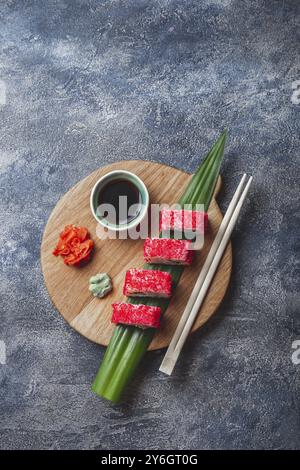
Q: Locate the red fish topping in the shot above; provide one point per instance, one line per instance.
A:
(144, 316)
(147, 283)
(183, 220)
(168, 251)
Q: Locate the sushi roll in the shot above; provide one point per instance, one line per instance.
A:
(147, 283)
(184, 221)
(167, 251)
(143, 316)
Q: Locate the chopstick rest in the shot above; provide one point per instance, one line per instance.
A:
(205, 277)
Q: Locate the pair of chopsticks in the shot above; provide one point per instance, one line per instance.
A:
(205, 277)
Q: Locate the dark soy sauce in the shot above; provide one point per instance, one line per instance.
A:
(111, 193)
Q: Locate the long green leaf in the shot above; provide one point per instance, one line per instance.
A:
(129, 344)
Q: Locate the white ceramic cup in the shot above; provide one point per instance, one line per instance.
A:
(133, 179)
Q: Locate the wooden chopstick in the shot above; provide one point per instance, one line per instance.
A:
(205, 277)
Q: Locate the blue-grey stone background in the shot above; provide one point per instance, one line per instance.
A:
(88, 82)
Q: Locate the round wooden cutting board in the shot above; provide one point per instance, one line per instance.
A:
(68, 286)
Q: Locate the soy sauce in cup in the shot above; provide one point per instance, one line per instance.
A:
(124, 197)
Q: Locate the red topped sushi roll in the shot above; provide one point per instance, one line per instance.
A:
(167, 251)
(188, 221)
(143, 316)
(147, 283)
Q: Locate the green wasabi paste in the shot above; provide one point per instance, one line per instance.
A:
(100, 285)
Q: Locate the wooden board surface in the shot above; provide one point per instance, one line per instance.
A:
(68, 286)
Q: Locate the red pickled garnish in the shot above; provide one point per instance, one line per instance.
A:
(74, 245)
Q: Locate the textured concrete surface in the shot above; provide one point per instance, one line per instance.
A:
(83, 83)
